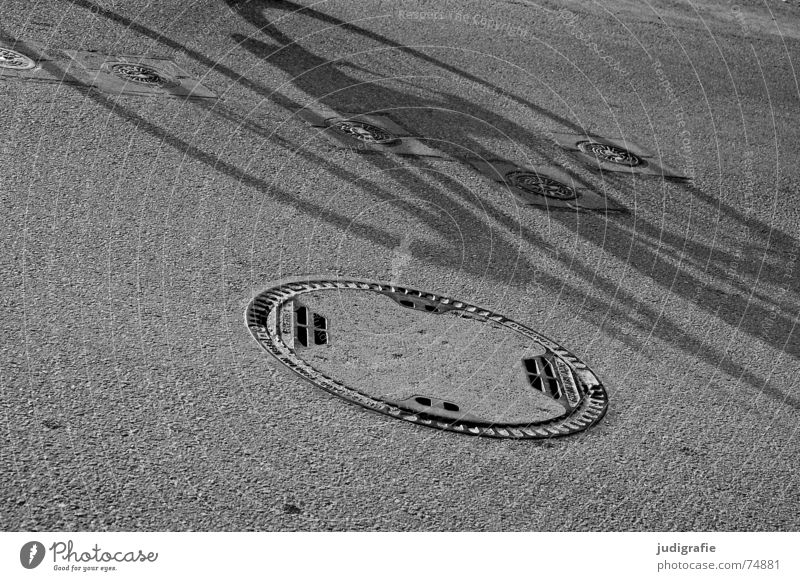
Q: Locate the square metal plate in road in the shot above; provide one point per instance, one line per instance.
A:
(368, 133)
(136, 75)
(30, 61)
(615, 155)
(543, 186)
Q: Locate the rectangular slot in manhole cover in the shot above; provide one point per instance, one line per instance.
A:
(367, 133)
(543, 186)
(615, 155)
(136, 75)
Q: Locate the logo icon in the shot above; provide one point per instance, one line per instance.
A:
(31, 554)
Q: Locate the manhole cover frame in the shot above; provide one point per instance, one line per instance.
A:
(497, 169)
(51, 64)
(96, 70)
(262, 319)
(651, 163)
(28, 62)
(323, 117)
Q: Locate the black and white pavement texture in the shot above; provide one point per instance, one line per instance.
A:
(136, 229)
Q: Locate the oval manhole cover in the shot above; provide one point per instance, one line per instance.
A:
(540, 185)
(426, 358)
(610, 153)
(11, 59)
(366, 132)
(141, 74)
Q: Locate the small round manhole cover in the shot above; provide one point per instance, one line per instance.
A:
(366, 132)
(141, 75)
(11, 59)
(426, 358)
(540, 185)
(610, 153)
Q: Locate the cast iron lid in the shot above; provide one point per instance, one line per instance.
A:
(540, 185)
(363, 131)
(11, 59)
(140, 74)
(426, 358)
(611, 153)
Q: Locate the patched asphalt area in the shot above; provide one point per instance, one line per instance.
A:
(138, 228)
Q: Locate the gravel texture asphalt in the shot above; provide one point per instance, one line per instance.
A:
(136, 229)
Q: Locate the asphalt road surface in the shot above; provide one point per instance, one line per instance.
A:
(136, 229)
